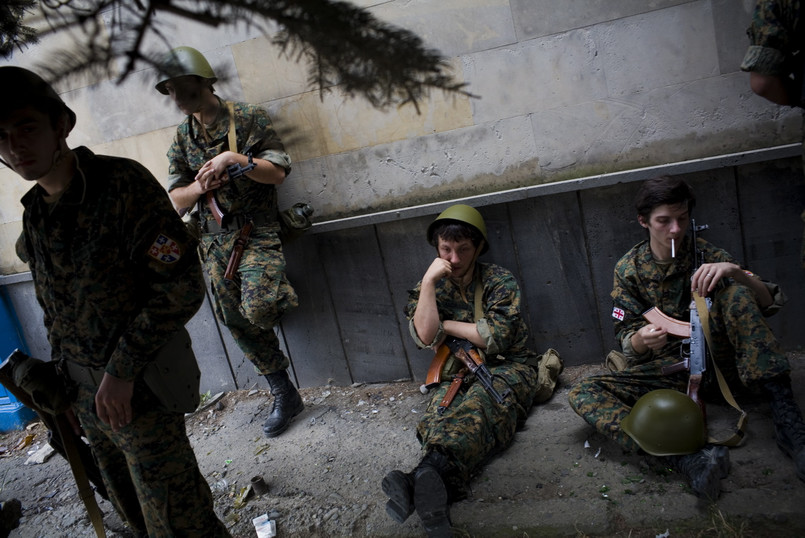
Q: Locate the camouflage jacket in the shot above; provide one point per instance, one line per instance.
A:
(640, 283)
(191, 148)
(502, 325)
(114, 267)
(775, 33)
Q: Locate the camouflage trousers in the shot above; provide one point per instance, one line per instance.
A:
(475, 427)
(744, 349)
(150, 470)
(253, 302)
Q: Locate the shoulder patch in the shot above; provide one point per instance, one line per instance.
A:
(618, 313)
(165, 249)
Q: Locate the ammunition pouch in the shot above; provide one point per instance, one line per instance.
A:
(41, 380)
(295, 220)
(173, 375)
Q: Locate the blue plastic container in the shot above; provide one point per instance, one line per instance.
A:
(13, 415)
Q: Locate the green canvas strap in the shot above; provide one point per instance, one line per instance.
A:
(740, 430)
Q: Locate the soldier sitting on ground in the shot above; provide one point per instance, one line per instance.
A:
(476, 305)
(659, 272)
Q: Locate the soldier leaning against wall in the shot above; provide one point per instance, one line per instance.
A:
(236, 213)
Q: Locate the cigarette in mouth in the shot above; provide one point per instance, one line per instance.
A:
(673, 250)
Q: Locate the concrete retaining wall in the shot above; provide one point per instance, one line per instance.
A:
(562, 245)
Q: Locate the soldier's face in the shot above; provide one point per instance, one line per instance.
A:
(29, 141)
(460, 254)
(666, 222)
(187, 92)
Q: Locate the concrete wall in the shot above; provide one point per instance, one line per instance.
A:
(579, 93)
(561, 241)
(588, 88)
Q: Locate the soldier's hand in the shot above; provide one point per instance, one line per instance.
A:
(652, 337)
(113, 401)
(213, 173)
(438, 269)
(706, 277)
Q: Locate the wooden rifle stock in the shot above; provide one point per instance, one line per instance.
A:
(237, 251)
(694, 383)
(434, 376)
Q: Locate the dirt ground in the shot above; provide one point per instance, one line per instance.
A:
(558, 478)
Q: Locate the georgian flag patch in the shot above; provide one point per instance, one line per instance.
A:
(165, 249)
(618, 313)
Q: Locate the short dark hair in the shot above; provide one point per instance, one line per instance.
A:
(663, 190)
(454, 230)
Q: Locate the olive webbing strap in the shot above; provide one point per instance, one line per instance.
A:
(479, 291)
(740, 430)
(85, 491)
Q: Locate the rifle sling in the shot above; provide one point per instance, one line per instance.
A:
(740, 430)
(84, 489)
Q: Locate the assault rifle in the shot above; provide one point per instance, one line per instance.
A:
(38, 386)
(694, 344)
(469, 356)
(233, 171)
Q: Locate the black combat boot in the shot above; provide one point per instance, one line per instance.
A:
(789, 427)
(704, 470)
(430, 494)
(287, 403)
(399, 487)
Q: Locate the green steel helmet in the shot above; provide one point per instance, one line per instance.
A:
(20, 88)
(464, 214)
(666, 422)
(183, 61)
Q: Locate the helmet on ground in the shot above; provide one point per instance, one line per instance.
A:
(666, 422)
(183, 61)
(464, 214)
(20, 87)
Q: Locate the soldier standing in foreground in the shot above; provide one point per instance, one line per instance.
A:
(117, 278)
(476, 305)
(236, 214)
(658, 272)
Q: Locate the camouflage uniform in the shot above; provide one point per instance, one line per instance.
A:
(775, 34)
(743, 345)
(252, 303)
(475, 427)
(116, 277)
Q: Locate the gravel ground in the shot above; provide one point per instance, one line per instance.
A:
(559, 478)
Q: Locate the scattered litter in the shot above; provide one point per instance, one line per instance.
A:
(25, 441)
(586, 444)
(41, 455)
(243, 497)
(266, 528)
(598, 452)
(666, 534)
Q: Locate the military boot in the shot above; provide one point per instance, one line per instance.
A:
(287, 403)
(704, 469)
(430, 495)
(789, 427)
(399, 487)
